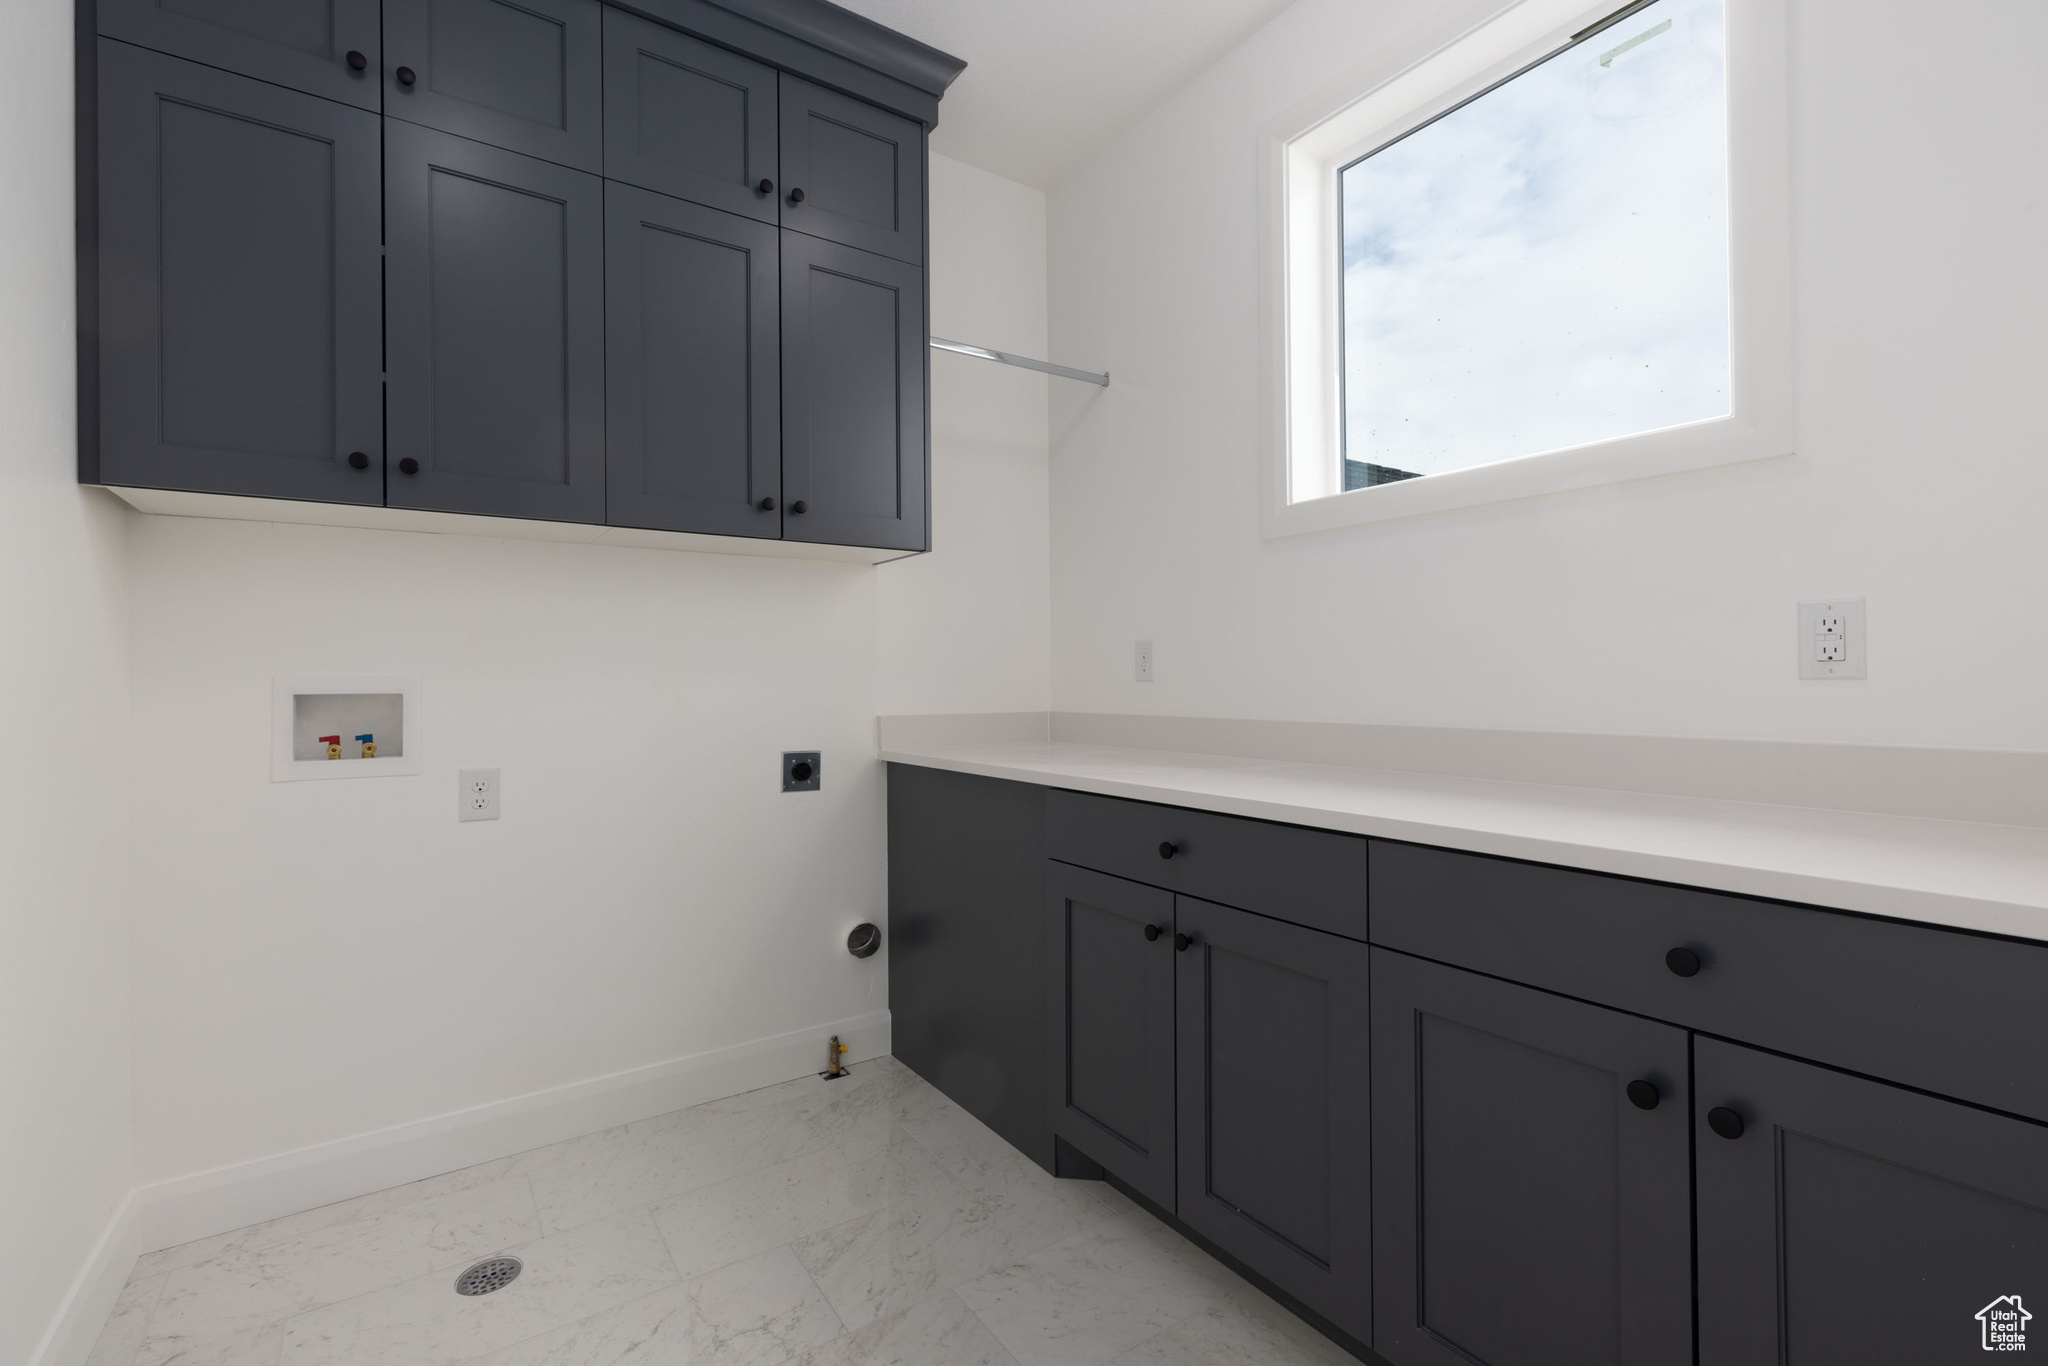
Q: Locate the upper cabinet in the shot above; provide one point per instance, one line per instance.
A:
(853, 396)
(852, 173)
(688, 119)
(239, 291)
(494, 330)
(527, 77)
(322, 47)
(540, 259)
(693, 395)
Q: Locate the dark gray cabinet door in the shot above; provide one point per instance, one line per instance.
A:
(688, 119)
(1855, 1222)
(494, 330)
(1110, 1024)
(300, 44)
(851, 173)
(853, 396)
(1526, 1211)
(526, 75)
(967, 945)
(239, 289)
(1273, 1103)
(693, 429)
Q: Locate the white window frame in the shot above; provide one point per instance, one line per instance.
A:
(1300, 155)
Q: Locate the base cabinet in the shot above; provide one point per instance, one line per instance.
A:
(1843, 1220)
(1504, 1151)
(1273, 1103)
(1109, 1008)
(1530, 1174)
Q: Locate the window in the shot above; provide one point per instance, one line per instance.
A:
(1551, 255)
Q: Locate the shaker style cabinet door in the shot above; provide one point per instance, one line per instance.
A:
(1842, 1220)
(852, 173)
(693, 433)
(853, 396)
(1109, 959)
(1531, 1179)
(525, 75)
(494, 330)
(322, 47)
(1274, 1114)
(688, 119)
(239, 285)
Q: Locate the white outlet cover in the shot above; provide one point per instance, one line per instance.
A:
(476, 795)
(1815, 641)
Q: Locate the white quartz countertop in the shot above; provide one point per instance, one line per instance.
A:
(1992, 878)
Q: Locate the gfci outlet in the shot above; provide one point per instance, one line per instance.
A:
(1831, 639)
(478, 795)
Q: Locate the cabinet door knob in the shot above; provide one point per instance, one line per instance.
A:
(796, 196)
(409, 466)
(358, 62)
(767, 505)
(1167, 848)
(766, 186)
(1643, 1094)
(358, 461)
(1152, 933)
(1683, 962)
(799, 507)
(1725, 1122)
(1183, 942)
(406, 75)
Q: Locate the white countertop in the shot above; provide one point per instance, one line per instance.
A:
(1973, 876)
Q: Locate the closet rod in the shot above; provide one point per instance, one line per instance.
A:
(1025, 362)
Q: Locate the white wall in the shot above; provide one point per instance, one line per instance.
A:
(1663, 606)
(64, 1044)
(318, 960)
(968, 628)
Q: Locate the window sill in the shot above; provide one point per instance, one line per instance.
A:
(1699, 445)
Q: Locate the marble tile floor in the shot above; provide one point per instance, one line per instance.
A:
(861, 1222)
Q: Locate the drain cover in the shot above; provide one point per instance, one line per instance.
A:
(493, 1274)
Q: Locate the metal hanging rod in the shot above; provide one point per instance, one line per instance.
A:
(1023, 362)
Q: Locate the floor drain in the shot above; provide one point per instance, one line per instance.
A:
(486, 1276)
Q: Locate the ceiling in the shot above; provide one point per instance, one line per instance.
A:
(1049, 80)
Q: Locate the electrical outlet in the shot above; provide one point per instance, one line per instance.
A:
(1831, 639)
(478, 795)
(801, 770)
(1144, 661)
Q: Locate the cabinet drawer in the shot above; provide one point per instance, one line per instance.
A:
(1942, 1010)
(1311, 877)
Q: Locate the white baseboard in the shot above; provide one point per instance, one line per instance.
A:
(198, 1206)
(90, 1301)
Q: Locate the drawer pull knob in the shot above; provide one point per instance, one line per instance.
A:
(406, 76)
(1643, 1094)
(358, 62)
(1167, 848)
(358, 460)
(767, 505)
(796, 196)
(1183, 942)
(1725, 1122)
(1683, 962)
(408, 466)
(1152, 933)
(766, 186)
